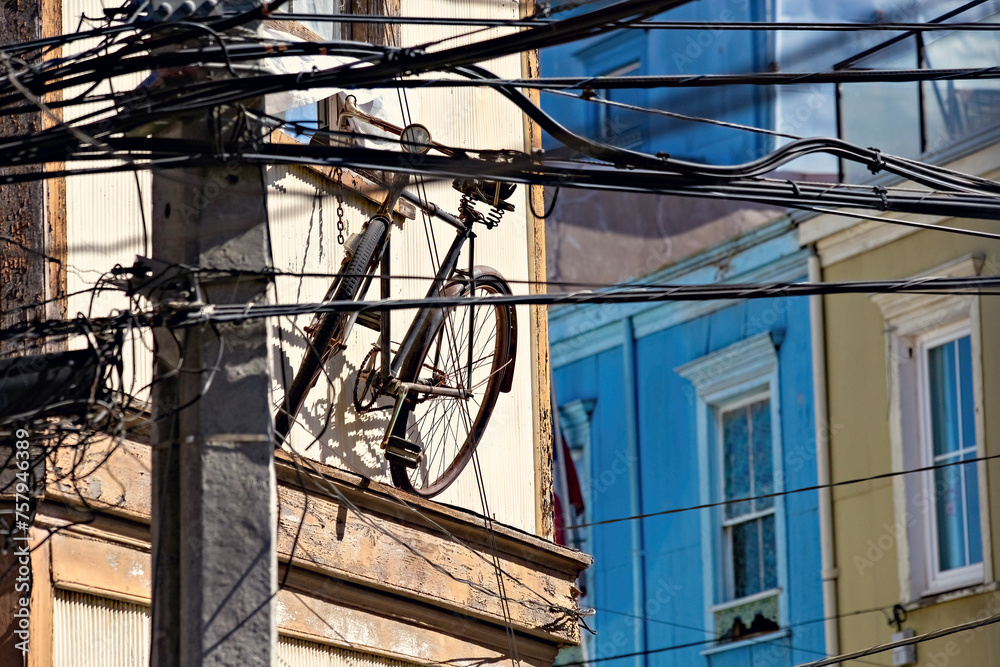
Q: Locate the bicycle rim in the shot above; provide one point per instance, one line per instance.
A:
(448, 429)
(331, 326)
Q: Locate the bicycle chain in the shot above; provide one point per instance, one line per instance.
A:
(338, 176)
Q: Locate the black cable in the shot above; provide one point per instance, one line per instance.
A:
(792, 151)
(596, 99)
(982, 285)
(919, 639)
(552, 206)
(777, 26)
(778, 494)
(660, 81)
(405, 61)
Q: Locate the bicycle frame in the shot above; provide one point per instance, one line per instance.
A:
(403, 375)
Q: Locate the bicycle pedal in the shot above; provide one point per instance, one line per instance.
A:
(403, 452)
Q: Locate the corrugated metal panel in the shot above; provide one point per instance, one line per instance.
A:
(481, 118)
(299, 653)
(302, 208)
(105, 215)
(93, 631)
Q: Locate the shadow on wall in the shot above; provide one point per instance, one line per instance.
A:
(608, 237)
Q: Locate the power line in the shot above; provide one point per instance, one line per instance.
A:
(881, 648)
(778, 494)
(596, 99)
(778, 26)
(845, 657)
(218, 313)
(651, 81)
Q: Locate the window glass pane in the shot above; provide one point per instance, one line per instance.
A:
(308, 118)
(958, 109)
(328, 30)
(746, 559)
(882, 115)
(736, 439)
(973, 528)
(620, 126)
(942, 374)
(763, 468)
(953, 438)
(951, 519)
(770, 552)
(968, 418)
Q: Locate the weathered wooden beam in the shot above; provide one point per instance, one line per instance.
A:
(364, 536)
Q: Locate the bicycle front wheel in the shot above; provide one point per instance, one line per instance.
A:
(332, 328)
(447, 429)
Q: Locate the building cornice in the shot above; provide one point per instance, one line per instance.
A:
(838, 238)
(340, 532)
(576, 332)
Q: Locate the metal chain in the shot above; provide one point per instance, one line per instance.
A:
(338, 176)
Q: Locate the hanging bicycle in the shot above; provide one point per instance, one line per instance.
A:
(451, 365)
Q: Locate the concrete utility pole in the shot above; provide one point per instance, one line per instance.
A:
(214, 497)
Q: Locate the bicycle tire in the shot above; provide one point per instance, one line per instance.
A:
(444, 427)
(330, 325)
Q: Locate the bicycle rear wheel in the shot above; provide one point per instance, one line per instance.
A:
(447, 429)
(332, 328)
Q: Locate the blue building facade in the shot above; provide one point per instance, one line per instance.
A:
(683, 404)
(635, 52)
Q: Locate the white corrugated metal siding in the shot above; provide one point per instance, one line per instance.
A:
(302, 208)
(93, 631)
(300, 653)
(106, 215)
(482, 118)
(303, 222)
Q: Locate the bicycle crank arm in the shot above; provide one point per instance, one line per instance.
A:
(397, 449)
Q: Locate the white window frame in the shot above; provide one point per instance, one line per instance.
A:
(938, 580)
(728, 581)
(913, 324)
(736, 375)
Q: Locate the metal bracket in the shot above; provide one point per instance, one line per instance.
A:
(169, 11)
(162, 283)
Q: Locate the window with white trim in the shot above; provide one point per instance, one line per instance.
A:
(739, 458)
(948, 436)
(748, 471)
(935, 420)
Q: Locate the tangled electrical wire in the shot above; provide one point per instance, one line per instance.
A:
(117, 134)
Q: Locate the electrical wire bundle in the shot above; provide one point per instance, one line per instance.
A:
(118, 134)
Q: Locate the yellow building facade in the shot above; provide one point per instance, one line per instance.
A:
(912, 381)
